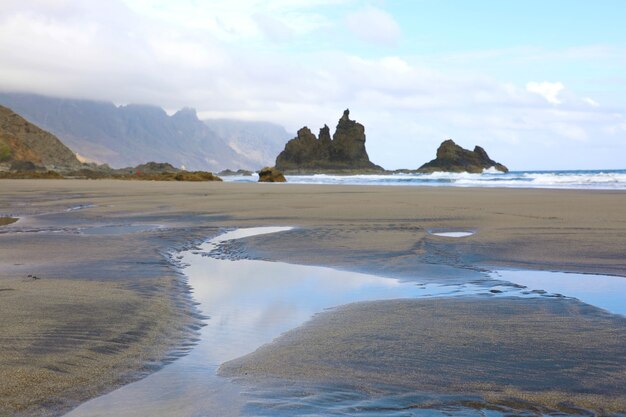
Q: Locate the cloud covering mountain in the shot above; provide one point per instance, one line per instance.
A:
(133, 134)
(539, 90)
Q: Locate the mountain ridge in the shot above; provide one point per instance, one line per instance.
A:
(131, 134)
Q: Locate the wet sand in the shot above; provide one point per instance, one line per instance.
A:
(554, 353)
(63, 341)
(381, 230)
(7, 220)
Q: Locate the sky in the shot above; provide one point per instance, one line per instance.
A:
(538, 84)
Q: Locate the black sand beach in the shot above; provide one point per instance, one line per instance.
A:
(131, 311)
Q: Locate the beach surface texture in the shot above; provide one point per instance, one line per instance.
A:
(90, 301)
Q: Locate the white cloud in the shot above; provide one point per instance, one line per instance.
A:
(547, 90)
(374, 25)
(591, 102)
(228, 20)
(150, 53)
(274, 29)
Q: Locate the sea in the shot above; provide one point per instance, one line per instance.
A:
(609, 179)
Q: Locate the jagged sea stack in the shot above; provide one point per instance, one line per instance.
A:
(344, 153)
(453, 158)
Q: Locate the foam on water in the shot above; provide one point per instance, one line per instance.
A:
(599, 180)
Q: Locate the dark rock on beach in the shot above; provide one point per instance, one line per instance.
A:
(344, 152)
(271, 174)
(453, 158)
(25, 166)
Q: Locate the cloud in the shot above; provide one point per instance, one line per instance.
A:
(227, 20)
(218, 60)
(374, 25)
(591, 102)
(547, 90)
(274, 29)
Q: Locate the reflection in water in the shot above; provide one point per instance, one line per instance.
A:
(338, 400)
(453, 234)
(250, 303)
(603, 291)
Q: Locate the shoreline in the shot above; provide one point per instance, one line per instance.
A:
(375, 229)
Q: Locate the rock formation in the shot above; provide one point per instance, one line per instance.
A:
(24, 144)
(453, 158)
(271, 175)
(345, 152)
(230, 173)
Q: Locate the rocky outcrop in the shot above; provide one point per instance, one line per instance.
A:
(271, 174)
(345, 152)
(24, 144)
(453, 158)
(154, 168)
(231, 173)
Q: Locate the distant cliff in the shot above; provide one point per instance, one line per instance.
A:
(453, 158)
(24, 144)
(260, 142)
(132, 134)
(345, 152)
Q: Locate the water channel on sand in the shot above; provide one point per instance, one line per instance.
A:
(250, 303)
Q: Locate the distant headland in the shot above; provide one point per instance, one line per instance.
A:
(26, 151)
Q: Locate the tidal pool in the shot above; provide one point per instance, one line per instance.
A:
(249, 303)
(603, 291)
(451, 233)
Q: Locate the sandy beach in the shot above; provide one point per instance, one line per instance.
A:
(88, 300)
(510, 351)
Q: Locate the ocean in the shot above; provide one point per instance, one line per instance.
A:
(612, 179)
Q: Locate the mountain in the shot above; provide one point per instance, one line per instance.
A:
(345, 152)
(259, 141)
(129, 135)
(24, 144)
(453, 158)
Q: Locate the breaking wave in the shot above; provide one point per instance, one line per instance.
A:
(600, 180)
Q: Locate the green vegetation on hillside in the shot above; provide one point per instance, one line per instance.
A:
(5, 152)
